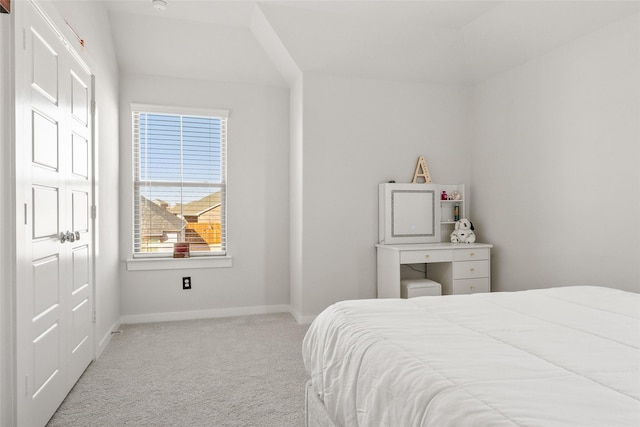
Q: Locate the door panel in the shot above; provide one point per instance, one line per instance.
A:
(80, 267)
(45, 212)
(45, 141)
(80, 211)
(48, 366)
(46, 284)
(79, 326)
(79, 99)
(80, 157)
(45, 66)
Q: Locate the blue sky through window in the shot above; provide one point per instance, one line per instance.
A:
(179, 149)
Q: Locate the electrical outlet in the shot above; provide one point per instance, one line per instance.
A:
(186, 283)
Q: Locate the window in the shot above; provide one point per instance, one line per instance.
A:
(179, 182)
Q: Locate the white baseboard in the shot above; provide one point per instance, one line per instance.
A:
(106, 339)
(204, 314)
(302, 320)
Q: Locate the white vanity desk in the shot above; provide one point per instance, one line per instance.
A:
(461, 268)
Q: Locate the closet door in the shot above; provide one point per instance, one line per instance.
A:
(53, 170)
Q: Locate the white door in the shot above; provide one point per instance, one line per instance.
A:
(54, 295)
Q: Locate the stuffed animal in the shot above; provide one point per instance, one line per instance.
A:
(463, 232)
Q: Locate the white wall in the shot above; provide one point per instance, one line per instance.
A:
(91, 22)
(357, 134)
(257, 198)
(555, 165)
(6, 209)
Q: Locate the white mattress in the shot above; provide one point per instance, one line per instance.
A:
(561, 356)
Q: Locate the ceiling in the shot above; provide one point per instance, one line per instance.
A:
(444, 42)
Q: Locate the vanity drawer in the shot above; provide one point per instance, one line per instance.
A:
(470, 254)
(470, 286)
(470, 269)
(419, 257)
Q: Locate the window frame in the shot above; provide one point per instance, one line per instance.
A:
(151, 260)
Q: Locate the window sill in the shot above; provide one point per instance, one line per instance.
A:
(146, 264)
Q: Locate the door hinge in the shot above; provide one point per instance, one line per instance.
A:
(26, 214)
(93, 316)
(94, 212)
(93, 108)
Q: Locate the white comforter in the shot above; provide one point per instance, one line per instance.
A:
(561, 356)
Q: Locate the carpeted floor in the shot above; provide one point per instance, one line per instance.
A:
(238, 371)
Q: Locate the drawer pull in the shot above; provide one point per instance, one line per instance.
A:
(472, 269)
(473, 288)
(472, 254)
(426, 256)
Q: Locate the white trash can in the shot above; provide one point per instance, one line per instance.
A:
(410, 288)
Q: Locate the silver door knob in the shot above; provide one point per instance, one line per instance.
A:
(71, 237)
(63, 237)
(77, 235)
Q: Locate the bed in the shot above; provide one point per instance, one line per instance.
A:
(547, 357)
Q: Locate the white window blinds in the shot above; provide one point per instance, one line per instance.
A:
(179, 181)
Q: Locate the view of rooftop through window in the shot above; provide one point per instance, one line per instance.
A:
(180, 182)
